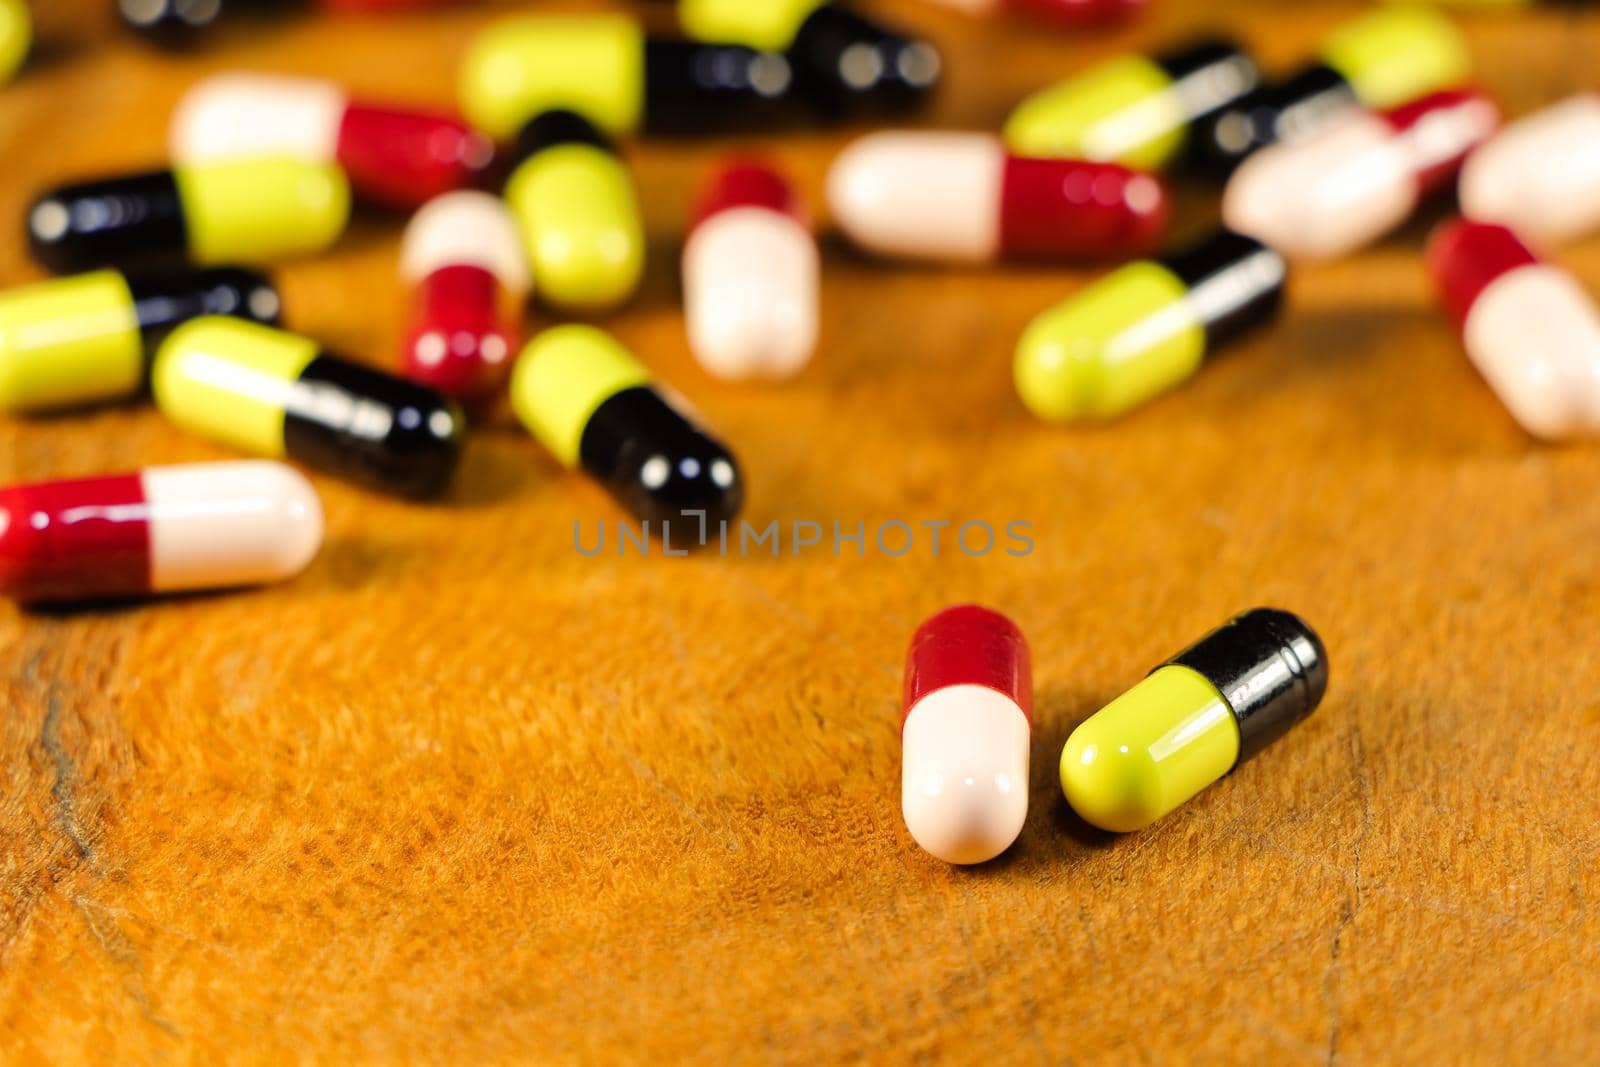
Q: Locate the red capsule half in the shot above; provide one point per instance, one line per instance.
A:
(396, 155)
(1529, 327)
(960, 196)
(464, 257)
(965, 727)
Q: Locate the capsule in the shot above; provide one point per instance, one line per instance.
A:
(1146, 327)
(1194, 719)
(961, 197)
(843, 61)
(1133, 110)
(591, 403)
(274, 394)
(1529, 327)
(1541, 174)
(235, 211)
(393, 155)
(574, 202)
(1063, 12)
(159, 530)
(1360, 177)
(751, 276)
(180, 23)
(1381, 60)
(463, 257)
(606, 69)
(964, 733)
(16, 37)
(84, 339)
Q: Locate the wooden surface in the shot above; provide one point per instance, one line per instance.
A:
(458, 794)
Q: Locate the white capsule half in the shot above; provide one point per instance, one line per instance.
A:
(237, 115)
(1325, 195)
(214, 525)
(751, 282)
(924, 195)
(964, 773)
(1534, 335)
(466, 229)
(1540, 175)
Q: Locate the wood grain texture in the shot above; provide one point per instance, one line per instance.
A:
(460, 794)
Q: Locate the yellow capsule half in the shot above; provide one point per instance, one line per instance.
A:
(1395, 55)
(769, 25)
(69, 340)
(1148, 751)
(16, 36)
(521, 67)
(231, 381)
(1122, 111)
(261, 210)
(579, 217)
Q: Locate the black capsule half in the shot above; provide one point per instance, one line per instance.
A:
(557, 126)
(114, 221)
(1209, 75)
(659, 465)
(845, 63)
(372, 428)
(1270, 667)
(167, 299)
(1269, 115)
(1235, 283)
(692, 87)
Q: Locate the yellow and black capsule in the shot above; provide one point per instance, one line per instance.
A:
(574, 202)
(843, 61)
(275, 394)
(231, 211)
(84, 339)
(591, 403)
(1194, 719)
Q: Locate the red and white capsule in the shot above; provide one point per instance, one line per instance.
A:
(961, 197)
(1529, 327)
(964, 736)
(160, 530)
(464, 258)
(1349, 184)
(751, 276)
(400, 156)
(1541, 174)
(1064, 12)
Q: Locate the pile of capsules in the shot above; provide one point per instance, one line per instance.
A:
(160, 290)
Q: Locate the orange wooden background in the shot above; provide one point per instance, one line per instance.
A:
(459, 794)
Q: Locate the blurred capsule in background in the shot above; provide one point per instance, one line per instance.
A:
(1380, 60)
(1193, 720)
(965, 726)
(180, 23)
(606, 69)
(275, 394)
(1541, 174)
(575, 205)
(16, 37)
(751, 275)
(84, 339)
(591, 403)
(1145, 328)
(1133, 110)
(1530, 328)
(1064, 12)
(961, 197)
(159, 530)
(234, 211)
(464, 260)
(844, 62)
(394, 155)
(1360, 177)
